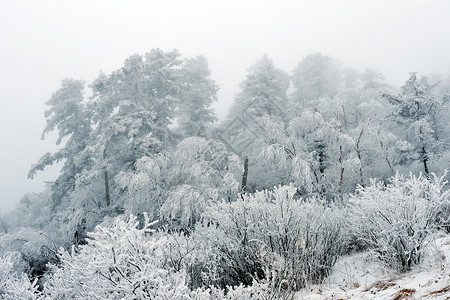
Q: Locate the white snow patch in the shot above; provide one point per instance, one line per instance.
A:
(361, 276)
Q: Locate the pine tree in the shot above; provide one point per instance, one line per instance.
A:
(415, 110)
(263, 92)
(134, 107)
(315, 76)
(197, 94)
(70, 116)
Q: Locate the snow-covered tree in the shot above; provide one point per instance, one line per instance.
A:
(144, 186)
(315, 76)
(263, 97)
(134, 107)
(203, 173)
(70, 116)
(372, 80)
(415, 110)
(324, 156)
(361, 112)
(199, 91)
(262, 92)
(374, 142)
(269, 155)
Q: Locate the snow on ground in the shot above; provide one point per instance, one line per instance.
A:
(360, 276)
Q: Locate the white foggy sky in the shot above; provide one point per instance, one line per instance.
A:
(45, 41)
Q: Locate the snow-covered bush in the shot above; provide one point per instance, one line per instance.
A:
(187, 253)
(221, 259)
(273, 233)
(395, 220)
(14, 286)
(128, 260)
(34, 249)
(259, 290)
(120, 261)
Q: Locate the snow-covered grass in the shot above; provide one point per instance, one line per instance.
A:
(362, 276)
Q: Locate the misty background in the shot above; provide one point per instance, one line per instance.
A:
(43, 42)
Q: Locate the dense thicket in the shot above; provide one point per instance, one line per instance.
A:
(254, 207)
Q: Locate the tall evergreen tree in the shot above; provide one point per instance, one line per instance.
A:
(315, 76)
(198, 92)
(261, 104)
(415, 110)
(263, 92)
(70, 116)
(134, 107)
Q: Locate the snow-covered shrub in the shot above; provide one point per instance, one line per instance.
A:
(187, 253)
(120, 261)
(125, 260)
(14, 286)
(259, 290)
(395, 220)
(222, 259)
(34, 249)
(272, 232)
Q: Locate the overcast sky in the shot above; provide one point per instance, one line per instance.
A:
(44, 41)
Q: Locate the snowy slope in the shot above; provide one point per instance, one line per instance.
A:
(360, 276)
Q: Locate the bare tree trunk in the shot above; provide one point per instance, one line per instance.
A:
(4, 225)
(342, 169)
(107, 195)
(386, 158)
(345, 119)
(425, 162)
(320, 152)
(358, 152)
(244, 176)
(423, 152)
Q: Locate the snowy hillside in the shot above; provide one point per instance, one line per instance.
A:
(360, 276)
